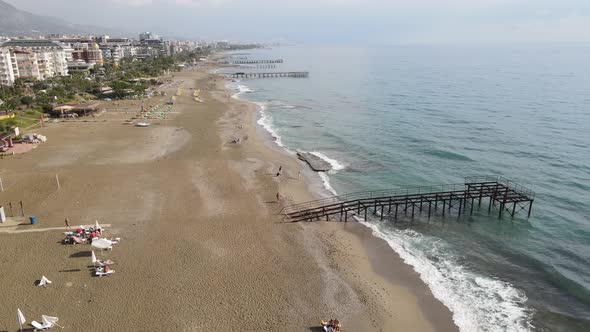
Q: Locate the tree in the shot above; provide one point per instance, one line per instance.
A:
(119, 88)
(140, 89)
(26, 100)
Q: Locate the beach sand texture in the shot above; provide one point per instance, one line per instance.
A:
(202, 245)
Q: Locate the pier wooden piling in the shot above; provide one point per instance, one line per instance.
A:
(503, 194)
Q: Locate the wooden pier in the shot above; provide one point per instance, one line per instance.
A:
(259, 67)
(297, 74)
(502, 194)
(251, 61)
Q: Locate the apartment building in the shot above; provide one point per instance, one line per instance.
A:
(6, 69)
(37, 59)
(27, 65)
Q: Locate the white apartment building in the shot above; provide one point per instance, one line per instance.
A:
(6, 70)
(25, 64)
(38, 59)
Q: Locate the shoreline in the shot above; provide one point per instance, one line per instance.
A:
(386, 266)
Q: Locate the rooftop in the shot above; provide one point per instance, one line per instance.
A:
(30, 43)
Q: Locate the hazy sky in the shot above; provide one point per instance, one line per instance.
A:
(337, 21)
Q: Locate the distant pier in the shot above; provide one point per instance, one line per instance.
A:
(296, 74)
(251, 61)
(235, 58)
(259, 67)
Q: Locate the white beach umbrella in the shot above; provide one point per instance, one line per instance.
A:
(102, 244)
(96, 225)
(20, 318)
(44, 281)
(93, 258)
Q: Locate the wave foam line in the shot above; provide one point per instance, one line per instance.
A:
(326, 183)
(336, 165)
(478, 303)
(265, 122)
(241, 89)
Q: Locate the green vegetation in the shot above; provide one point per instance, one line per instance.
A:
(29, 99)
(23, 119)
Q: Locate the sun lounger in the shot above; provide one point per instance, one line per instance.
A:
(38, 326)
(77, 240)
(48, 322)
(43, 281)
(100, 273)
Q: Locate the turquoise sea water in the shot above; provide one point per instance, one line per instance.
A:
(420, 115)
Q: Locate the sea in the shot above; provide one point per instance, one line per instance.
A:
(387, 117)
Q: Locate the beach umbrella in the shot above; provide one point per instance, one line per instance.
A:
(96, 225)
(102, 244)
(44, 281)
(20, 318)
(93, 258)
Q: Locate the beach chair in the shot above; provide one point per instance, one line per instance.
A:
(38, 326)
(48, 323)
(101, 263)
(77, 240)
(43, 281)
(99, 272)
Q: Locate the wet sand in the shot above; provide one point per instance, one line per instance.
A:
(202, 244)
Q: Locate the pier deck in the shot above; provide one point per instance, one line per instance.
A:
(250, 61)
(296, 74)
(501, 193)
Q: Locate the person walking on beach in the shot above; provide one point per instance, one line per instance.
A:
(68, 224)
(299, 175)
(278, 197)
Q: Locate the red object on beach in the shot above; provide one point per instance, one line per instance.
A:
(93, 234)
(78, 230)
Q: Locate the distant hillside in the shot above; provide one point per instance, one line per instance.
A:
(15, 22)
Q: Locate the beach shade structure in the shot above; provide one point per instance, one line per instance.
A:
(102, 244)
(93, 258)
(20, 318)
(43, 281)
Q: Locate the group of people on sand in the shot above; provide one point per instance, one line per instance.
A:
(81, 234)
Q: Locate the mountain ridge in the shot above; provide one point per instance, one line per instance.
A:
(16, 22)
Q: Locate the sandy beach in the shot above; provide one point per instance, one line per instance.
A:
(203, 246)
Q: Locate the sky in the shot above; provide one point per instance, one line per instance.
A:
(334, 21)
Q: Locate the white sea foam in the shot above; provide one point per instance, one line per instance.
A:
(478, 303)
(326, 183)
(241, 89)
(265, 122)
(336, 165)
